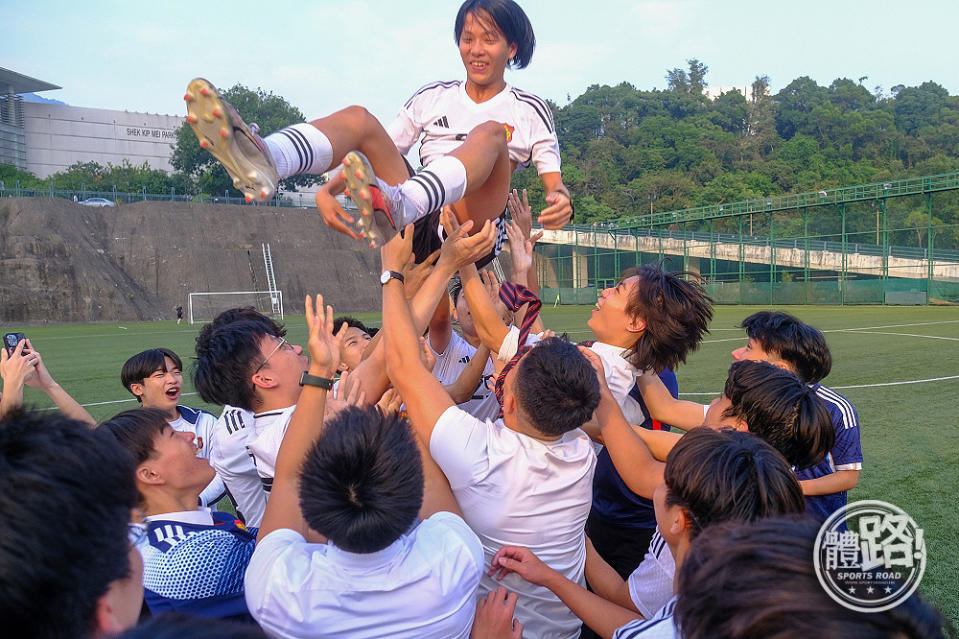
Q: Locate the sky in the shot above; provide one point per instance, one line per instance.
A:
(323, 55)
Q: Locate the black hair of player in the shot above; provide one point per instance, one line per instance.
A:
(173, 625)
(65, 501)
(361, 485)
(676, 312)
(454, 288)
(556, 387)
(247, 313)
(226, 356)
(135, 431)
(782, 410)
(729, 475)
(508, 18)
(802, 345)
(755, 580)
(144, 364)
(352, 322)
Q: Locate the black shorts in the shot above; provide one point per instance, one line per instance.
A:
(428, 234)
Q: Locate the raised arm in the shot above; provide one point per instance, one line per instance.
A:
(14, 370)
(425, 397)
(61, 398)
(489, 325)
(559, 209)
(664, 407)
(463, 388)
(631, 457)
(603, 616)
(306, 423)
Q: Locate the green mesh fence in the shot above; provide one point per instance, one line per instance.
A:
(894, 250)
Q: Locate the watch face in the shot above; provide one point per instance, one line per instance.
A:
(384, 277)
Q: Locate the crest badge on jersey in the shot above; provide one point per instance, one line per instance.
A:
(199, 442)
(509, 132)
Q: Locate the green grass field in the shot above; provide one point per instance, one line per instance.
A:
(909, 430)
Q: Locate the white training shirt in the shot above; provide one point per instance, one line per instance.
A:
(651, 584)
(421, 586)
(202, 427)
(232, 461)
(443, 114)
(451, 363)
(517, 490)
(662, 625)
(269, 427)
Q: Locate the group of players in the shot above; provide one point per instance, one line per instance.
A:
(419, 482)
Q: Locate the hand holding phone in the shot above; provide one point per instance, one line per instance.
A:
(10, 341)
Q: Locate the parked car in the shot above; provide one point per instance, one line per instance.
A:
(97, 201)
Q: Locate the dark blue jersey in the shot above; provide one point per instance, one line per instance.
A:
(613, 501)
(197, 569)
(846, 453)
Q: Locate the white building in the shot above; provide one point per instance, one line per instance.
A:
(46, 138)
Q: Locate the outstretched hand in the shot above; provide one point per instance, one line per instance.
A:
(396, 253)
(558, 211)
(19, 368)
(459, 248)
(323, 344)
(333, 214)
(523, 562)
(494, 616)
(597, 363)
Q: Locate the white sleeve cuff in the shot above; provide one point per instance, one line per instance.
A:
(509, 346)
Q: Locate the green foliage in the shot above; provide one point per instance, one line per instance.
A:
(625, 149)
(271, 113)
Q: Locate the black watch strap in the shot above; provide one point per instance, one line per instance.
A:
(313, 380)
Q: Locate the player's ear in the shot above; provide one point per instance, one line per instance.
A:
(137, 389)
(263, 379)
(636, 324)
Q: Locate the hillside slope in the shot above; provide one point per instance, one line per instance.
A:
(62, 262)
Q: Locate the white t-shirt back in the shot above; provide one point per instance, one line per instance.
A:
(517, 490)
(269, 427)
(421, 586)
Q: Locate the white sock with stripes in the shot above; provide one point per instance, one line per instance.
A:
(442, 182)
(301, 148)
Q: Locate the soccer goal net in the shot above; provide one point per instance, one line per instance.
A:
(206, 305)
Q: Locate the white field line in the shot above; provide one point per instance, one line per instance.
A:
(862, 329)
(952, 339)
(112, 401)
(908, 381)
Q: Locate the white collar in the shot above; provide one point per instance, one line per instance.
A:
(200, 516)
(365, 562)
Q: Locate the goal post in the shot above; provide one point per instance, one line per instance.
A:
(205, 305)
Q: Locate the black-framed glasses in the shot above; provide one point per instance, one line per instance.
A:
(282, 343)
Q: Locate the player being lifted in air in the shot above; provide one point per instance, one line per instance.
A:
(475, 133)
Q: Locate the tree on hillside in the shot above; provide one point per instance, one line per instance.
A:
(271, 112)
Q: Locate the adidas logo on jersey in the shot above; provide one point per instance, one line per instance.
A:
(442, 122)
(465, 359)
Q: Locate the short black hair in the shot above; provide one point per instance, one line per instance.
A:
(226, 355)
(802, 345)
(509, 19)
(239, 313)
(145, 363)
(556, 387)
(729, 475)
(352, 322)
(454, 287)
(174, 625)
(65, 502)
(676, 312)
(756, 580)
(362, 482)
(778, 407)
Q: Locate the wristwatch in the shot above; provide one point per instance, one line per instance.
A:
(313, 380)
(386, 276)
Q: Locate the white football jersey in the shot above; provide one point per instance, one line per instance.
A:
(232, 461)
(442, 113)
